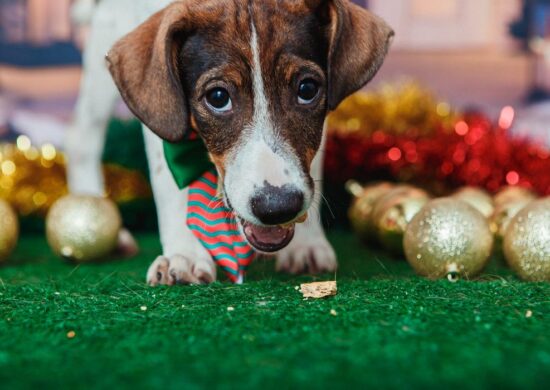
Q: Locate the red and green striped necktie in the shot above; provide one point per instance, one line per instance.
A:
(214, 225)
(216, 228)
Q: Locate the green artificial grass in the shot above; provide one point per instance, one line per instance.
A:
(392, 329)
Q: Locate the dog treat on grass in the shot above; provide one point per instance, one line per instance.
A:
(319, 289)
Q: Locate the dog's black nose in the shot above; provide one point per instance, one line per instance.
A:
(277, 205)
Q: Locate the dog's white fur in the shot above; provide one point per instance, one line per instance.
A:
(184, 258)
(261, 149)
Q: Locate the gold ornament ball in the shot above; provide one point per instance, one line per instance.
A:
(504, 213)
(393, 212)
(9, 230)
(448, 238)
(511, 194)
(360, 212)
(83, 228)
(508, 202)
(527, 242)
(477, 198)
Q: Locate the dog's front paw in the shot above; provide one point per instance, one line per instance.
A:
(178, 269)
(312, 254)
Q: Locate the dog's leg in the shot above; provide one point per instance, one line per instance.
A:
(184, 259)
(310, 251)
(86, 136)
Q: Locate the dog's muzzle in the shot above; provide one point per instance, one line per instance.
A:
(278, 209)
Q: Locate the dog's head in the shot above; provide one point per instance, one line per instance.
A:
(256, 79)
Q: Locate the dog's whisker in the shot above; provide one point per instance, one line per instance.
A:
(328, 206)
(319, 199)
(215, 204)
(315, 213)
(231, 216)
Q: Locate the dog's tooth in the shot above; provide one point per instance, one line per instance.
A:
(301, 219)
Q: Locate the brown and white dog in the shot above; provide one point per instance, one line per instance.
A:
(256, 80)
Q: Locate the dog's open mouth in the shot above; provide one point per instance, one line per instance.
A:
(268, 239)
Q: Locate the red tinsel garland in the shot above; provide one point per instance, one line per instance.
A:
(478, 153)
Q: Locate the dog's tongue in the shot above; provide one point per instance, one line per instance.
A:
(268, 238)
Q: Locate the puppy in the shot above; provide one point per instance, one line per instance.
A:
(255, 79)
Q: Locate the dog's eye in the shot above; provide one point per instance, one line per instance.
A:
(219, 100)
(307, 91)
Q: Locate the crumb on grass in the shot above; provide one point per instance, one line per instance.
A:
(319, 289)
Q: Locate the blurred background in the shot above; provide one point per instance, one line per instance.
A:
(490, 53)
(482, 55)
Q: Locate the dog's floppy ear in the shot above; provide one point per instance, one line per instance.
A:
(358, 41)
(144, 66)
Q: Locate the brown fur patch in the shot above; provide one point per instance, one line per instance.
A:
(359, 43)
(143, 66)
(166, 66)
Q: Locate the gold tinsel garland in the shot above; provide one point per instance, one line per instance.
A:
(395, 109)
(32, 178)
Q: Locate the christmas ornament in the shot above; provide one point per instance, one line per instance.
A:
(509, 201)
(527, 242)
(9, 230)
(393, 212)
(83, 228)
(360, 212)
(504, 213)
(448, 238)
(477, 198)
(510, 194)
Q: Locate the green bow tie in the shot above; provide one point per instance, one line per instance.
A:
(188, 160)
